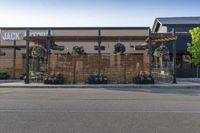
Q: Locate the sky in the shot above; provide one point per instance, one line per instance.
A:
(92, 13)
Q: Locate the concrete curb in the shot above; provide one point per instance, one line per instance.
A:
(130, 86)
(182, 84)
(10, 81)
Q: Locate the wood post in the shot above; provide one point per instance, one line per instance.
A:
(14, 59)
(49, 51)
(125, 67)
(99, 52)
(27, 57)
(174, 56)
(74, 69)
(150, 51)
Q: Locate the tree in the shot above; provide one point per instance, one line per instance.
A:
(194, 47)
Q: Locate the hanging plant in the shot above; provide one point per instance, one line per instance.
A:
(77, 50)
(119, 48)
(160, 51)
(37, 52)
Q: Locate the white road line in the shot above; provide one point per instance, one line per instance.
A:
(92, 111)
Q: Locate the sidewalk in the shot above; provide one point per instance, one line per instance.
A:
(181, 83)
(193, 80)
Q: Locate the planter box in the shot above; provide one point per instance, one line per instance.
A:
(96, 80)
(143, 81)
(54, 82)
(4, 76)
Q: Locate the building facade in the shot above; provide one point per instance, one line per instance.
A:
(180, 25)
(119, 68)
(98, 45)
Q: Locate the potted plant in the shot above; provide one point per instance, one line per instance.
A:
(53, 79)
(160, 51)
(98, 79)
(22, 76)
(119, 48)
(4, 75)
(37, 51)
(60, 78)
(77, 50)
(143, 78)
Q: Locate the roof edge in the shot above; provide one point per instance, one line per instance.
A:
(156, 21)
(74, 28)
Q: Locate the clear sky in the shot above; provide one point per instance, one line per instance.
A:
(90, 13)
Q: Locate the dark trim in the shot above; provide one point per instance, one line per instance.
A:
(179, 25)
(43, 39)
(75, 28)
(157, 27)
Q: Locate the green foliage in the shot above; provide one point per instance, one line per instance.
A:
(54, 79)
(119, 48)
(98, 79)
(37, 51)
(194, 48)
(77, 50)
(160, 51)
(4, 75)
(144, 78)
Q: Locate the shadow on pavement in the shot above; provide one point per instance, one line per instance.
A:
(191, 92)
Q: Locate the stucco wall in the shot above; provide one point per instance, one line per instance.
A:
(162, 29)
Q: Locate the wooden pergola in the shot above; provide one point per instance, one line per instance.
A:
(157, 38)
(152, 40)
(47, 42)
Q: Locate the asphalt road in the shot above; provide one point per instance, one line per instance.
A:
(99, 110)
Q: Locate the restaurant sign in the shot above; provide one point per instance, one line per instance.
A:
(11, 36)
